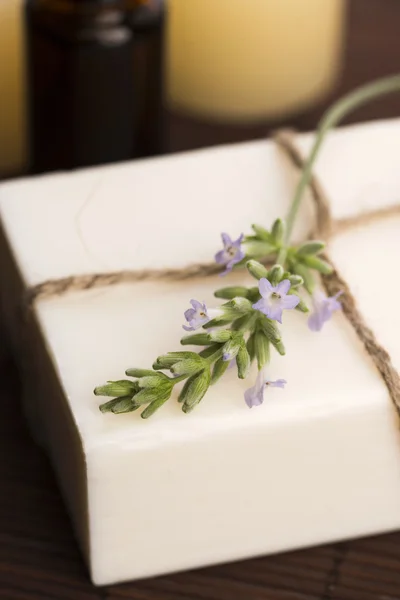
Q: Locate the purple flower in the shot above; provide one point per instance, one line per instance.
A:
(275, 299)
(232, 252)
(196, 316)
(255, 395)
(324, 307)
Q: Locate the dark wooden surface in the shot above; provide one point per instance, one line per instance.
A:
(39, 559)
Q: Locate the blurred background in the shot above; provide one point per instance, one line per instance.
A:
(85, 82)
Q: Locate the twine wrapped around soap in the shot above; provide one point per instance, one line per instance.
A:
(326, 228)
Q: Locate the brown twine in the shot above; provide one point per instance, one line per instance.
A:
(326, 227)
(334, 283)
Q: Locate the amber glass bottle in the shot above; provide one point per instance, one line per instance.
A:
(94, 73)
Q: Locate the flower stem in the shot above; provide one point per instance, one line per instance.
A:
(330, 119)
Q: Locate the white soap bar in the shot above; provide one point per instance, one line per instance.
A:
(316, 462)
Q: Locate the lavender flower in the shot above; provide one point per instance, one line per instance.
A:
(199, 315)
(196, 316)
(232, 252)
(254, 396)
(324, 307)
(275, 299)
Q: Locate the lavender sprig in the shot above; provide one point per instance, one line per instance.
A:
(244, 328)
(241, 330)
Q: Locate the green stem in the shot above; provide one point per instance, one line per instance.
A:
(330, 119)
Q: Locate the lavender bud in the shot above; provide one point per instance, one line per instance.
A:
(220, 336)
(245, 323)
(232, 347)
(278, 231)
(314, 247)
(151, 409)
(166, 361)
(198, 339)
(317, 264)
(256, 269)
(119, 405)
(306, 275)
(243, 362)
(261, 233)
(117, 388)
(194, 389)
(275, 274)
(302, 307)
(270, 329)
(152, 381)
(262, 349)
(139, 372)
(211, 353)
(161, 392)
(250, 345)
(229, 293)
(259, 248)
(295, 281)
(219, 369)
(188, 366)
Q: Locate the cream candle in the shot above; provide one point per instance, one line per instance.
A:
(236, 60)
(12, 110)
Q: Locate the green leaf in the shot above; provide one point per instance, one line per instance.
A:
(262, 233)
(229, 293)
(317, 264)
(197, 339)
(278, 231)
(194, 389)
(314, 247)
(219, 369)
(120, 388)
(262, 349)
(256, 269)
(243, 362)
